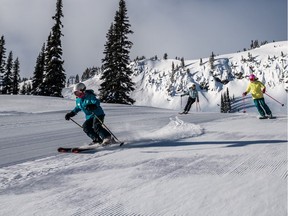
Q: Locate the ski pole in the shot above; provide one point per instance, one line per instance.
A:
(199, 106)
(244, 105)
(76, 122)
(107, 128)
(274, 99)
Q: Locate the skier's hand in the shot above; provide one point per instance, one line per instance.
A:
(244, 94)
(69, 115)
(91, 107)
(264, 90)
(181, 95)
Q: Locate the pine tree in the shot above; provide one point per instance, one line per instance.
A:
(16, 77)
(222, 104)
(38, 72)
(165, 57)
(2, 60)
(117, 83)
(54, 76)
(182, 62)
(77, 79)
(8, 79)
(108, 67)
(211, 61)
(228, 101)
(23, 89)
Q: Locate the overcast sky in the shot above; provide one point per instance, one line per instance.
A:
(184, 28)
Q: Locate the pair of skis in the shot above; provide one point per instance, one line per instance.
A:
(86, 148)
(89, 148)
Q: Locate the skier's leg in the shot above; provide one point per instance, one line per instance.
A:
(88, 129)
(259, 108)
(98, 129)
(265, 106)
(186, 107)
(191, 101)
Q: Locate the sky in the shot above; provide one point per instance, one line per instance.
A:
(191, 29)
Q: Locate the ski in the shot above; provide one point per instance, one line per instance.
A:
(266, 117)
(86, 148)
(183, 113)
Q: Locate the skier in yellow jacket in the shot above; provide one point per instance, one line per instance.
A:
(257, 88)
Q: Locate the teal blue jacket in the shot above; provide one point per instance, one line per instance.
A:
(89, 98)
(193, 93)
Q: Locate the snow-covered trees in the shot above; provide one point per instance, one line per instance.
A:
(117, 83)
(8, 78)
(2, 60)
(38, 72)
(54, 77)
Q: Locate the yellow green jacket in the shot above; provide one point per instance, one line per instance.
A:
(255, 88)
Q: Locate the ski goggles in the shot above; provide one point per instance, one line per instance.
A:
(79, 94)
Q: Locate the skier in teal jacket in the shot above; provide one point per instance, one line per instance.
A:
(193, 96)
(87, 102)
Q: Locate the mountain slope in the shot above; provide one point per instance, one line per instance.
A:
(157, 84)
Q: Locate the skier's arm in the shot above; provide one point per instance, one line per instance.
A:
(247, 90)
(185, 93)
(263, 87)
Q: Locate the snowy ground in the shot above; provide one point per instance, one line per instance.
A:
(203, 163)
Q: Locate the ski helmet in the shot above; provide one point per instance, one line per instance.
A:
(193, 85)
(79, 87)
(252, 77)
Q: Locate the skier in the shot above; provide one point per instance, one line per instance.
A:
(87, 102)
(257, 88)
(193, 96)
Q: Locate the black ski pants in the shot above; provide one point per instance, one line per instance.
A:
(93, 128)
(190, 101)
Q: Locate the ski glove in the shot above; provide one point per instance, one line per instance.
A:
(264, 90)
(91, 107)
(244, 94)
(69, 115)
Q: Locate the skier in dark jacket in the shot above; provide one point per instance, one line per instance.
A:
(87, 102)
(193, 96)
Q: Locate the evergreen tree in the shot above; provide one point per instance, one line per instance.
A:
(54, 77)
(16, 77)
(29, 88)
(222, 104)
(8, 79)
(77, 79)
(108, 66)
(211, 61)
(225, 102)
(117, 83)
(165, 57)
(182, 62)
(2, 61)
(228, 101)
(38, 72)
(23, 89)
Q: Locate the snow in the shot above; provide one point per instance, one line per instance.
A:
(203, 163)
